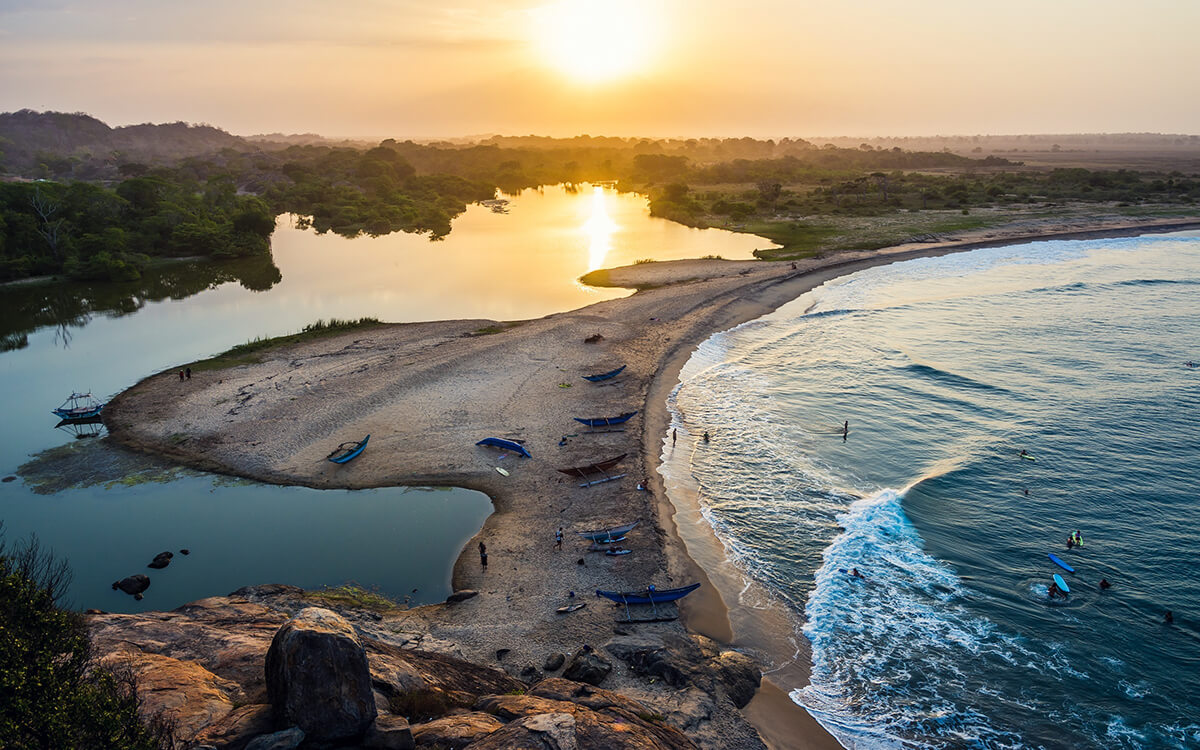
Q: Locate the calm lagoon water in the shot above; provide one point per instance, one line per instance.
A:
(109, 515)
(945, 369)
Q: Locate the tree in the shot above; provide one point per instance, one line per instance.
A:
(54, 694)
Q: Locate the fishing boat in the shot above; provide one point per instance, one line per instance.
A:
(511, 445)
(78, 406)
(347, 452)
(597, 468)
(611, 534)
(606, 421)
(605, 375)
(649, 595)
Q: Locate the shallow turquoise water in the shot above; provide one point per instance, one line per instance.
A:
(945, 369)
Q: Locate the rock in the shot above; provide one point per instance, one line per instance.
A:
(240, 726)
(134, 584)
(683, 661)
(530, 673)
(502, 652)
(389, 733)
(550, 731)
(94, 612)
(587, 666)
(456, 731)
(9, 478)
(554, 661)
(183, 692)
(461, 596)
(288, 739)
(595, 338)
(318, 678)
(161, 560)
(185, 552)
(602, 719)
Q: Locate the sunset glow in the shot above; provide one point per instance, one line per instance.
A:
(593, 41)
(599, 229)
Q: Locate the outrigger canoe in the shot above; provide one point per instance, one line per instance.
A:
(612, 534)
(605, 375)
(78, 406)
(511, 445)
(606, 421)
(597, 468)
(347, 452)
(649, 595)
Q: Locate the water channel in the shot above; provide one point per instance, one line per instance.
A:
(109, 512)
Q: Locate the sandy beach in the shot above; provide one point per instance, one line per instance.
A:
(427, 392)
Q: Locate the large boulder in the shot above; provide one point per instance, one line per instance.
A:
(132, 585)
(455, 731)
(288, 739)
(318, 678)
(537, 732)
(587, 666)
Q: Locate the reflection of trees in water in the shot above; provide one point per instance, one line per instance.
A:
(69, 305)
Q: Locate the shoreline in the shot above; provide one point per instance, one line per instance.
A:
(446, 371)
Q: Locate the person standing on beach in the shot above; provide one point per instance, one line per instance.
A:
(188, 372)
(483, 554)
(558, 538)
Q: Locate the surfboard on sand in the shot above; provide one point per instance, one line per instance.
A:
(502, 471)
(1058, 581)
(1059, 562)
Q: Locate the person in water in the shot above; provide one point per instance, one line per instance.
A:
(1104, 584)
(706, 436)
(1168, 618)
(1054, 591)
(1070, 542)
(1078, 538)
(1023, 452)
(845, 430)
(854, 572)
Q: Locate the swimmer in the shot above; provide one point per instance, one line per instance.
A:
(1104, 584)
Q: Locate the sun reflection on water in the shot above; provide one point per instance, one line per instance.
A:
(599, 228)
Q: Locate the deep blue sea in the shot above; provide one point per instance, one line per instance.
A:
(946, 368)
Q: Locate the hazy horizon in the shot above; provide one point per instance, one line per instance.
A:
(763, 68)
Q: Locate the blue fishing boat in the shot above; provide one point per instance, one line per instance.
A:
(511, 445)
(649, 595)
(605, 375)
(347, 452)
(606, 421)
(78, 406)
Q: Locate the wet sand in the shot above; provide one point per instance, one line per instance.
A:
(427, 392)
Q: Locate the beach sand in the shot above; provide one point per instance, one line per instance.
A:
(427, 392)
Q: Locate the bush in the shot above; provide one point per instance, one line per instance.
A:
(54, 695)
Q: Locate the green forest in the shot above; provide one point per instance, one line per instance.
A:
(83, 201)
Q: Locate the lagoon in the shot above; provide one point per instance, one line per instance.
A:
(109, 514)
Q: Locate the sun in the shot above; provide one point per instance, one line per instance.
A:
(595, 41)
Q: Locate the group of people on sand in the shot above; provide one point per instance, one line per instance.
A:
(185, 374)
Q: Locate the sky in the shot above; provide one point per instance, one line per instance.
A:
(671, 68)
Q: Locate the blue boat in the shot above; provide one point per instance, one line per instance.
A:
(78, 406)
(605, 375)
(650, 595)
(347, 452)
(606, 421)
(511, 445)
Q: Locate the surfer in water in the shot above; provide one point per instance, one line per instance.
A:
(1054, 591)
(1023, 453)
(1104, 584)
(845, 430)
(854, 572)
(706, 436)
(1078, 537)
(1070, 542)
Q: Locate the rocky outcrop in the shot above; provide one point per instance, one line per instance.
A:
(455, 731)
(686, 661)
(318, 678)
(210, 666)
(133, 585)
(161, 560)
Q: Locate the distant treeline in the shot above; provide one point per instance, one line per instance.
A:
(98, 202)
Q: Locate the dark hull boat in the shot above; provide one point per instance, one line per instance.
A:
(597, 468)
(604, 536)
(605, 375)
(347, 452)
(606, 421)
(78, 406)
(649, 595)
(511, 445)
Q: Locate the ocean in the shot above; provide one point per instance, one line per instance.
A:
(946, 369)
